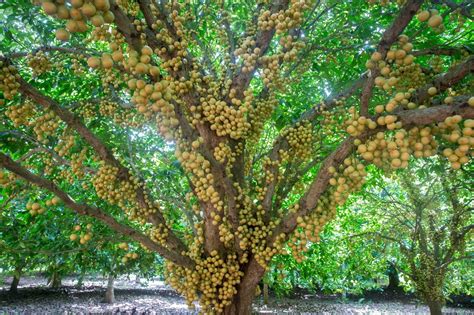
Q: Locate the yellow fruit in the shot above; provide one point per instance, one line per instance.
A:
(391, 54)
(75, 14)
(63, 12)
(82, 26)
(400, 54)
(448, 100)
(423, 16)
(109, 17)
(62, 34)
(97, 20)
(408, 47)
(49, 8)
(73, 237)
(93, 62)
(102, 5)
(107, 61)
(432, 91)
(435, 21)
(72, 26)
(471, 101)
(77, 3)
(77, 228)
(146, 50)
(35, 206)
(376, 56)
(88, 10)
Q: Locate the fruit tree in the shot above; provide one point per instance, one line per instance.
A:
(221, 133)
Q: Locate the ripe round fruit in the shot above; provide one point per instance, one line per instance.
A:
(423, 16)
(63, 12)
(109, 17)
(376, 56)
(75, 14)
(77, 3)
(146, 50)
(435, 21)
(103, 5)
(432, 91)
(117, 56)
(449, 100)
(107, 62)
(77, 228)
(88, 10)
(73, 237)
(407, 47)
(49, 8)
(93, 62)
(72, 26)
(471, 101)
(97, 20)
(400, 54)
(62, 34)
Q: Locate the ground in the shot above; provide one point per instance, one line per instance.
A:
(155, 297)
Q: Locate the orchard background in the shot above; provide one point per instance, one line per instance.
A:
(232, 146)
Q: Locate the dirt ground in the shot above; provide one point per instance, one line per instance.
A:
(154, 297)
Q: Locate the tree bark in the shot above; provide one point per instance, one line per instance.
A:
(80, 280)
(265, 293)
(393, 280)
(435, 307)
(55, 280)
(242, 302)
(14, 284)
(109, 294)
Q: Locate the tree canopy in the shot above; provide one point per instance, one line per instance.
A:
(219, 134)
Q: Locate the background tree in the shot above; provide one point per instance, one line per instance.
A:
(230, 88)
(426, 211)
(53, 241)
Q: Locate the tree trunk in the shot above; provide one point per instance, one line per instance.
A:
(80, 280)
(242, 302)
(14, 284)
(393, 280)
(109, 294)
(435, 307)
(55, 280)
(265, 293)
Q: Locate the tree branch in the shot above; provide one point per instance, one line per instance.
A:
(388, 38)
(444, 81)
(464, 7)
(409, 118)
(262, 41)
(101, 149)
(83, 209)
(447, 51)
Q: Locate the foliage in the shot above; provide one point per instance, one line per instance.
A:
(219, 134)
